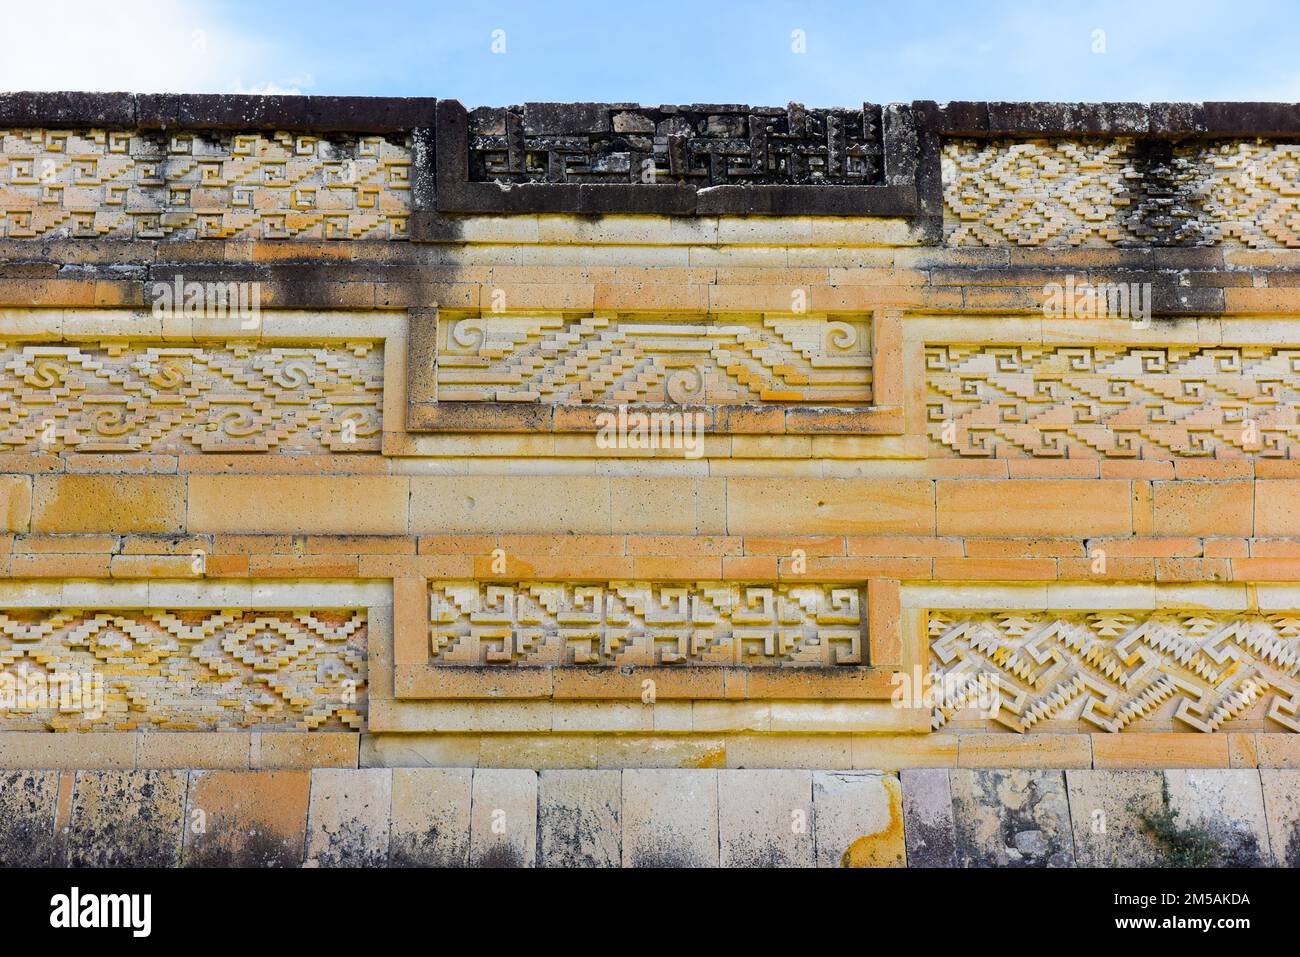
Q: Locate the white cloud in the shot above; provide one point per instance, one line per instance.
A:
(176, 46)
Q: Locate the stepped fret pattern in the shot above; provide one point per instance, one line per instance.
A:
(606, 360)
(183, 670)
(1116, 192)
(641, 623)
(97, 184)
(1116, 670)
(1114, 401)
(236, 397)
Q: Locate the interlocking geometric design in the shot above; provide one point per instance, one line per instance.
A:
(708, 146)
(696, 624)
(187, 185)
(1114, 401)
(1252, 193)
(1035, 193)
(554, 359)
(1074, 193)
(191, 670)
(152, 397)
(1111, 670)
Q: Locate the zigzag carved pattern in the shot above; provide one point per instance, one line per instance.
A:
(191, 670)
(619, 361)
(1113, 401)
(698, 624)
(135, 397)
(1108, 670)
(1077, 193)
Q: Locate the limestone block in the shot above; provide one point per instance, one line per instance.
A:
(1016, 818)
(1282, 808)
(670, 818)
(246, 818)
(580, 820)
(859, 816)
(927, 817)
(765, 818)
(15, 502)
(27, 803)
(1229, 805)
(349, 504)
(1107, 811)
(126, 819)
(303, 749)
(503, 818)
(109, 503)
(431, 817)
(349, 817)
(419, 750)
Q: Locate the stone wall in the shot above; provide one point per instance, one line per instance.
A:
(458, 817)
(373, 434)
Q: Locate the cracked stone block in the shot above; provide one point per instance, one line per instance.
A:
(1015, 818)
(349, 817)
(580, 818)
(670, 818)
(126, 819)
(859, 817)
(765, 818)
(503, 818)
(246, 818)
(927, 817)
(431, 813)
(1282, 808)
(1229, 805)
(1106, 811)
(27, 804)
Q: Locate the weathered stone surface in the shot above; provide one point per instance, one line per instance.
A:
(348, 820)
(503, 818)
(580, 820)
(27, 803)
(431, 817)
(246, 818)
(670, 818)
(859, 819)
(1229, 805)
(1282, 808)
(126, 819)
(927, 817)
(1016, 818)
(1107, 810)
(765, 818)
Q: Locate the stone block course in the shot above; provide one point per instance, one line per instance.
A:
(579, 818)
(503, 818)
(444, 817)
(246, 818)
(349, 817)
(125, 819)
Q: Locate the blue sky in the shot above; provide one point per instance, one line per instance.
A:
(666, 51)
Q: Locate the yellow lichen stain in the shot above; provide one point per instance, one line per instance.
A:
(712, 758)
(884, 848)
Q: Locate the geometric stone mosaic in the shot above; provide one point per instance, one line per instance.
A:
(1118, 401)
(154, 397)
(696, 624)
(711, 146)
(69, 669)
(98, 184)
(1118, 192)
(1035, 193)
(1117, 670)
(609, 360)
